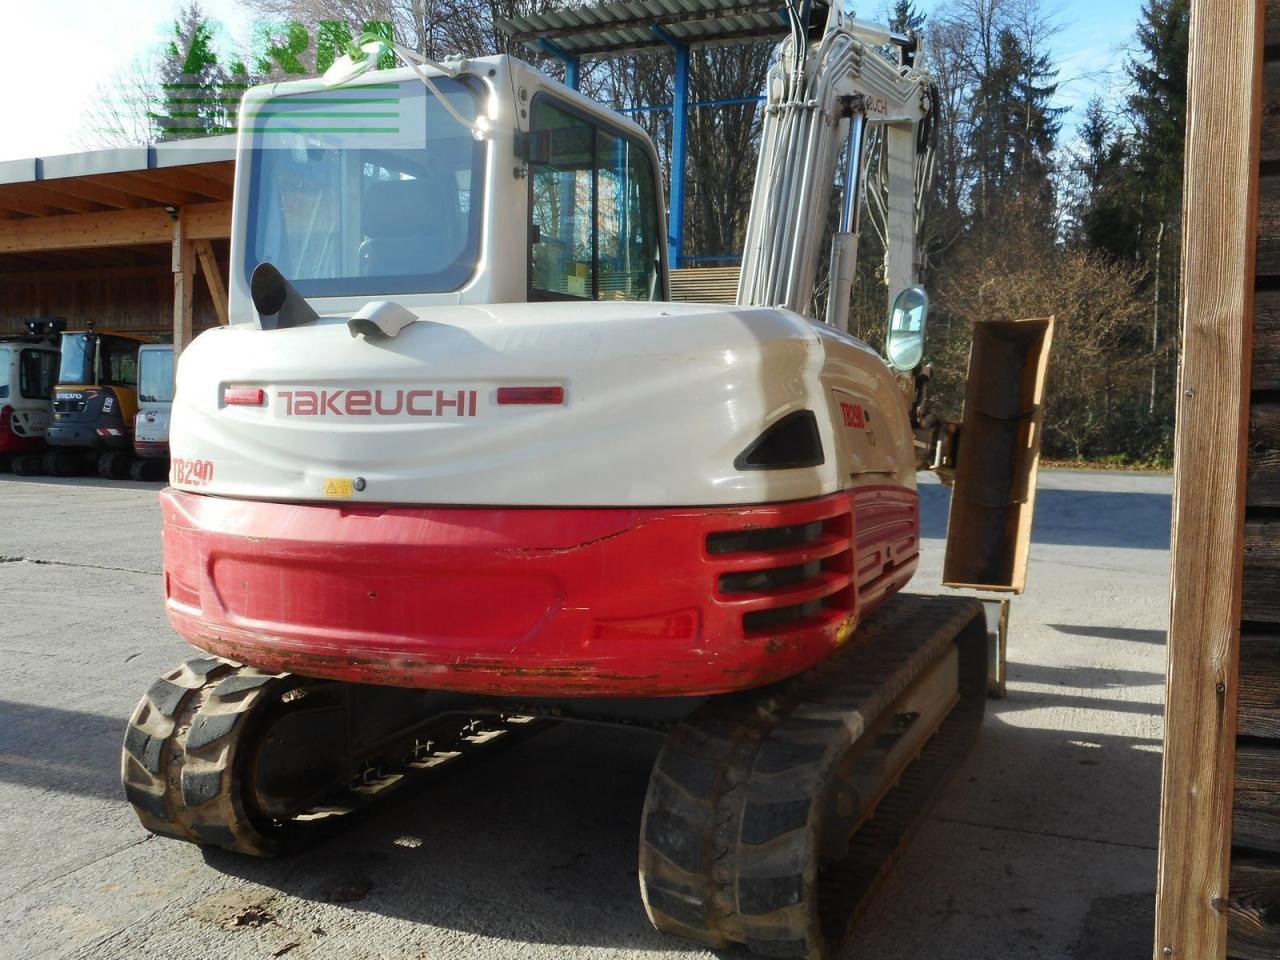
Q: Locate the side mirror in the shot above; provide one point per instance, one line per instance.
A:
(904, 345)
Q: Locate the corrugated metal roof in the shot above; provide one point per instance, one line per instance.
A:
(155, 156)
(613, 29)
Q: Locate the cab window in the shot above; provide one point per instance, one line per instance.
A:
(36, 371)
(118, 361)
(593, 209)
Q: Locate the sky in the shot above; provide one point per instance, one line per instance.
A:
(46, 89)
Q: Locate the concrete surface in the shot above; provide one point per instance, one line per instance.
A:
(1043, 846)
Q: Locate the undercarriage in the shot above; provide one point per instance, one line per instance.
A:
(770, 814)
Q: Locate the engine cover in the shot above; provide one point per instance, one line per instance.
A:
(657, 405)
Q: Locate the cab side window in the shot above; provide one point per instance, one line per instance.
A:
(593, 231)
(119, 362)
(36, 372)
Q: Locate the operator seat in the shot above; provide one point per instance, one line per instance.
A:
(411, 227)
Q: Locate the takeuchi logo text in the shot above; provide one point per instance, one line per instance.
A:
(378, 403)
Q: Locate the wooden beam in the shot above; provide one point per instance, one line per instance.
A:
(213, 277)
(196, 183)
(98, 193)
(1220, 218)
(224, 171)
(143, 185)
(112, 228)
(61, 202)
(32, 208)
(184, 282)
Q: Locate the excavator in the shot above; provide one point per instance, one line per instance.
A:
(94, 404)
(28, 364)
(457, 469)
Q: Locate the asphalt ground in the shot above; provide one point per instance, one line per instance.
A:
(1042, 846)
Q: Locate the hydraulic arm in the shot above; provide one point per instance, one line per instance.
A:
(838, 90)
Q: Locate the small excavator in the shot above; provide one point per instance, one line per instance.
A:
(94, 404)
(458, 468)
(28, 365)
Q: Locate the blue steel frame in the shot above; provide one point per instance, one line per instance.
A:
(679, 144)
(679, 108)
(571, 64)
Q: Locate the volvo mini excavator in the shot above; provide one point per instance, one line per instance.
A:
(94, 404)
(457, 466)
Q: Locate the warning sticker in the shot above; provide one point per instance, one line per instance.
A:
(339, 487)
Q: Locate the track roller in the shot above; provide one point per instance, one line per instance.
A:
(771, 814)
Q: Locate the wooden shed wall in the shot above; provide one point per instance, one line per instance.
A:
(133, 299)
(1254, 910)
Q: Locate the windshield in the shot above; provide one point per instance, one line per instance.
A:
(155, 376)
(77, 358)
(379, 207)
(35, 373)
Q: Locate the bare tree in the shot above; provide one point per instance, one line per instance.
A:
(120, 112)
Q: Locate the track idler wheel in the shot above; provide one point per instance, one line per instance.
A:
(190, 765)
(226, 755)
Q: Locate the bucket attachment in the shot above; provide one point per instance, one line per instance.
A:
(989, 531)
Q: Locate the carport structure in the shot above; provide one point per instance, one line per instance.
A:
(117, 237)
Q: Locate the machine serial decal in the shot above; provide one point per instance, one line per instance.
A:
(378, 403)
(853, 415)
(191, 473)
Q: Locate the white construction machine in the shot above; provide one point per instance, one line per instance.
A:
(28, 368)
(457, 466)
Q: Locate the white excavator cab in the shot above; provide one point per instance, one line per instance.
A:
(491, 185)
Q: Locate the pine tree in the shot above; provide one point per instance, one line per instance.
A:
(1159, 105)
(1104, 215)
(1014, 135)
(1159, 100)
(201, 95)
(906, 18)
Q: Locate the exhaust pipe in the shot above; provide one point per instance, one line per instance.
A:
(278, 304)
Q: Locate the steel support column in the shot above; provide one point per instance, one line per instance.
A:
(571, 65)
(679, 143)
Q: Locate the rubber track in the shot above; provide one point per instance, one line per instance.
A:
(188, 756)
(180, 765)
(729, 847)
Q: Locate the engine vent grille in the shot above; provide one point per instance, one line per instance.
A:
(786, 577)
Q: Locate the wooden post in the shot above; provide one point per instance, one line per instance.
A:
(1219, 220)
(183, 284)
(213, 277)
